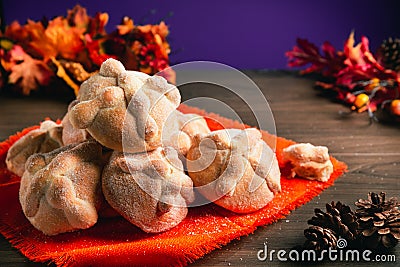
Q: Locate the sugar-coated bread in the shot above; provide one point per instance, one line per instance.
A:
(235, 169)
(42, 140)
(61, 190)
(124, 110)
(149, 189)
(111, 68)
(179, 130)
(70, 134)
(308, 161)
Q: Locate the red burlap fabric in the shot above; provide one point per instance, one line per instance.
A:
(115, 242)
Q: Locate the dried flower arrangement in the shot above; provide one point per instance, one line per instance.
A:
(361, 79)
(72, 48)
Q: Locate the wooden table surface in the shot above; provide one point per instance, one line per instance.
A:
(372, 153)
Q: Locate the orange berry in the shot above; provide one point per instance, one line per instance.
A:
(374, 82)
(361, 101)
(395, 107)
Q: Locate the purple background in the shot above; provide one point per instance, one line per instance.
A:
(244, 34)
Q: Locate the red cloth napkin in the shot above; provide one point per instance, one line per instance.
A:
(116, 242)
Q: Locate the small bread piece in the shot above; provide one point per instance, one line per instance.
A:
(310, 162)
(70, 134)
(42, 140)
(180, 129)
(61, 190)
(235, 169)
(149, 189)
(124, 110)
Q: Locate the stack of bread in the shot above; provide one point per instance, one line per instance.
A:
(123, 148)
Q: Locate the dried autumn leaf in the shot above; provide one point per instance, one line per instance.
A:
(29, 73)
(160, 33)
(145, 28)
(78, 17)
(353, 53)
(359, 55)
(96, 54)
(97, 25)
(38, 40)
(329, 50)
(57, 39)
(66, 39)
(17, 33)
(361, 65)
(350, 73)
(160, 29)
(126, 26)
(13, 56)
(82, 39)
(305, 53)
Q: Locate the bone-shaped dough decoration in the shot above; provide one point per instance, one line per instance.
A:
(61, 190)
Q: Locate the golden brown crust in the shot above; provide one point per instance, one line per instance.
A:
(124, 110)
(45, 139)
(235, 169)
(61, 190)
(148, 189)
(70, 134)
(179, 130)
(310, 162)
(91, 88)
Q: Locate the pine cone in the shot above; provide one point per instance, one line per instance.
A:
(319, 238)
(339, 218)
(389, 54)
(379, 221)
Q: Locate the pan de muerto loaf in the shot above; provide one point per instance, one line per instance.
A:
(42, 140)
(61, 190)
(148, 189)
(235, 169)
(124, 110)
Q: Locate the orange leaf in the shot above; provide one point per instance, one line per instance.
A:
(58, 39)
(29, 74)
(16, 32)
(160, 29)
(126, 26)
(353, 53)
(39, 41)
(78, 17)
(145, 28)
(67, 40)
(97, 24)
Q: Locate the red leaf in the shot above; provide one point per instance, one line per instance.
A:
(329, 50)
(97, 25)
(305, 53)
(95, 54)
